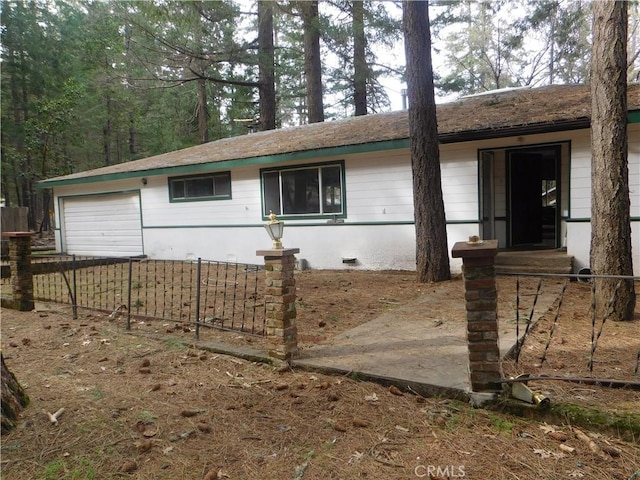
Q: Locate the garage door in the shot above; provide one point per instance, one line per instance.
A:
(103, 225)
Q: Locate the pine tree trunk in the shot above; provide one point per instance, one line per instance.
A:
(132, 136)
(203, 110)
(129, 81)
(312, 63)
(359, 59)
(19, 140)
(14, 399)
(432, 256)
(266, 66)
(610, 202)
(201, 83)
(107, 133)
(45, 225)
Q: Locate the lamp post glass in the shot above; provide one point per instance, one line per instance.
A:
(275, 229)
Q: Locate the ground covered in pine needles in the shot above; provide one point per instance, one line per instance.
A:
(152, 405)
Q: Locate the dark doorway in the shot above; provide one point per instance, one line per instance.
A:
(533, 180)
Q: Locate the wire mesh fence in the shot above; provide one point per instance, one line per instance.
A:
(537, 331)
(205, 293)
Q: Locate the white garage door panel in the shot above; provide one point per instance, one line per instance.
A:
(106, 225)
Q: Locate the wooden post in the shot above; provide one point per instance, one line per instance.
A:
(280, 299)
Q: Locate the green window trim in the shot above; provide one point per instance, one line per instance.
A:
(200, 188)
(305, 191)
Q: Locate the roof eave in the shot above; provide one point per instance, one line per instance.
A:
(444, 138)
(515, 130)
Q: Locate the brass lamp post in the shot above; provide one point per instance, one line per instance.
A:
(275, 229)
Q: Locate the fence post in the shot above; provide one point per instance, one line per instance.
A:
(478, 259)
(20, 265)
(129, 286)
(280, 301)
(74, 307)
(197, 316)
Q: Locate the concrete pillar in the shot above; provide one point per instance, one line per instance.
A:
(280, 299)
(478, 259)
(20, 265)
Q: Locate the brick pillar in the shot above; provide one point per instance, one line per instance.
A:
(280, 299)
(482, 318)
(20, 265)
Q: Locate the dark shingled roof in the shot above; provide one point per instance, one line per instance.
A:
(489, 115)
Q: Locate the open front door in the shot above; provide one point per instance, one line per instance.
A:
(533, 211)
(525, 180)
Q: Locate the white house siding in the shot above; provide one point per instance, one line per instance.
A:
(634, 170)
(634, 193)
(459, 167)
(379, 187)
(580, 195)
(579, 230)
(578, 235)
(243, 207)
(378, 231)
(373, 247)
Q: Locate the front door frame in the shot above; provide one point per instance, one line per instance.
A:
(489, 219)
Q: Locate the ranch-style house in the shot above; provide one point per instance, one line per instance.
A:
(515, 167)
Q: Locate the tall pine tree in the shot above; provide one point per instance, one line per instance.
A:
(432, 256)
(610, 203)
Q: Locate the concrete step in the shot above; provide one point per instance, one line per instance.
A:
(533, 269)
(536, 261)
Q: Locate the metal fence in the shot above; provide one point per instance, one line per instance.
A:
(201, 293)
(529, 288)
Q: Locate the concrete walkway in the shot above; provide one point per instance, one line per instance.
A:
(407, 346)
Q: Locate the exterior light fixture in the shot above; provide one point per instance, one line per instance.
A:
(275, 228)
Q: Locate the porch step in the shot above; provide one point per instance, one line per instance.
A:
(534, 261)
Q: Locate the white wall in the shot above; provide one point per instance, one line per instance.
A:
(378, 230)
(580, 195)
(634, 172)
(581, 174)
(634, 193)
(379, 187)
(374, 247)
(579, 233)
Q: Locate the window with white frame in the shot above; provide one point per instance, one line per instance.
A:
(213, 186)
(310, 190)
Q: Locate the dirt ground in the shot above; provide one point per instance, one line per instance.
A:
(151, 405)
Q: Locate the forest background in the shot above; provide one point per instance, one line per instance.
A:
(86, 84)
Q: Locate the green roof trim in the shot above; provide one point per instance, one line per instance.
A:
(298, 224)
(229, 164)
(588, 220)
(633, 116)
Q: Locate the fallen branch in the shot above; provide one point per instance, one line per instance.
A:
(53, 418)
(593, 446)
